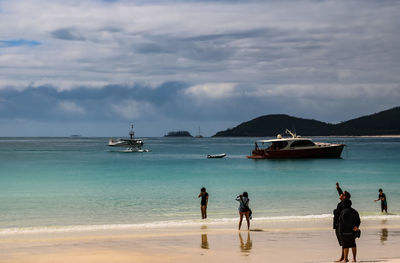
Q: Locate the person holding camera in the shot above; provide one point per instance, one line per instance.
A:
(244, 209)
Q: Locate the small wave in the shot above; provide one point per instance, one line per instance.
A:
(179, 223)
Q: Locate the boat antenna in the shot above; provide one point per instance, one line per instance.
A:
(131, 133)
(291, 133)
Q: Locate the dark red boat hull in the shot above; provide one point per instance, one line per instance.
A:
(332, 151)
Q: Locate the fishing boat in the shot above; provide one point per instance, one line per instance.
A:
(132, 144)
(220, 155)
(295, 147)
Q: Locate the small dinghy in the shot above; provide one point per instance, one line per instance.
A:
(221, 155)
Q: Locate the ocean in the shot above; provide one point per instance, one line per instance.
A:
(68, 183)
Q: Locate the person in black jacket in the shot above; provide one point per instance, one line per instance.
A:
(349, 221)
(336, 214)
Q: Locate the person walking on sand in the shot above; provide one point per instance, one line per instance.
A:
(349, 222)
(382, 198)
(336, 214)
(244, 209)
(204, 202)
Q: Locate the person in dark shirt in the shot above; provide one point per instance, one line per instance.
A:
(204, 202)
(349, 222)
(382, 197)
(244, 209)
(336, 214)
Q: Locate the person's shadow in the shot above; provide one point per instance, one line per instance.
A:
(245, 247)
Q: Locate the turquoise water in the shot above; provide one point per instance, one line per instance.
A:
(47, 182)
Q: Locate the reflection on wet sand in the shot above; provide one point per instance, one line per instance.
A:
(204, 239)
(245, 247)
(384, 235)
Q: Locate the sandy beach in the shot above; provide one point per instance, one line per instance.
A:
(296, 241)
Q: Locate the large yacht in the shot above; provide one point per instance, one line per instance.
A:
(295, 147)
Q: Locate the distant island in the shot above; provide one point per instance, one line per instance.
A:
(382, 123)
(178, 134)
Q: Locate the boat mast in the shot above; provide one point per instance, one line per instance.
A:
(131, 133)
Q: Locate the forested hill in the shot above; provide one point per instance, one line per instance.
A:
(383, 123)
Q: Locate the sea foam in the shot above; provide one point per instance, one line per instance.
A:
(172, 224)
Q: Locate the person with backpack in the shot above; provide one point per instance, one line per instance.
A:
(244, 209)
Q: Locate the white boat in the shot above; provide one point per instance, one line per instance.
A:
(295, 147)
(132, 144)
(220, 155)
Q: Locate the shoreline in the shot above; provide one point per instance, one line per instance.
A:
(295, 241)
(188, 223)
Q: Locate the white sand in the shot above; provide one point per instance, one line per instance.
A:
(305, 241)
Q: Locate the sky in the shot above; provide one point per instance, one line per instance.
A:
(94, 67)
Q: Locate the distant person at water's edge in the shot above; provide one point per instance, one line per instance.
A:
(349, 222)
(244, 209)
(204, 202)
(382, 198)
(336, 214)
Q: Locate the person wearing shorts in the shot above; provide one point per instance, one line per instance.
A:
(204, 202)
(382, 198)
(244, 209)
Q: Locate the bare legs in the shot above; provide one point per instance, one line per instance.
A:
(241, 219)
(341, 257)
(354, 250)
(203, 209)
(346, 254)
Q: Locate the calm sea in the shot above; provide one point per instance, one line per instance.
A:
(58, 182)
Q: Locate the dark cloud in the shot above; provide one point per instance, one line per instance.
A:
(340, 59)
(169, 106)
(67, 34)
(85, 104)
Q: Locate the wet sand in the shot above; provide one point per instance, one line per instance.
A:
(296, 241)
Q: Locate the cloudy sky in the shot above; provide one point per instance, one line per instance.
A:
(93, 67)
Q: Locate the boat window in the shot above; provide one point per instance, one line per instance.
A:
(302, 143)
(278, 145)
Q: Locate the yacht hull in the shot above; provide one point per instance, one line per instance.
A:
(330, 151)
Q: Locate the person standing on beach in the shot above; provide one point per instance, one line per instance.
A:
(204, 202)
(244, 209)
(382, 198)
(336, 213)
(349, 222)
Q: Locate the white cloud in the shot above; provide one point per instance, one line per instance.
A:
(71, 107)
(327, 91)
(251, 56)
(131, 109)
(85, 42)
(212, 90)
